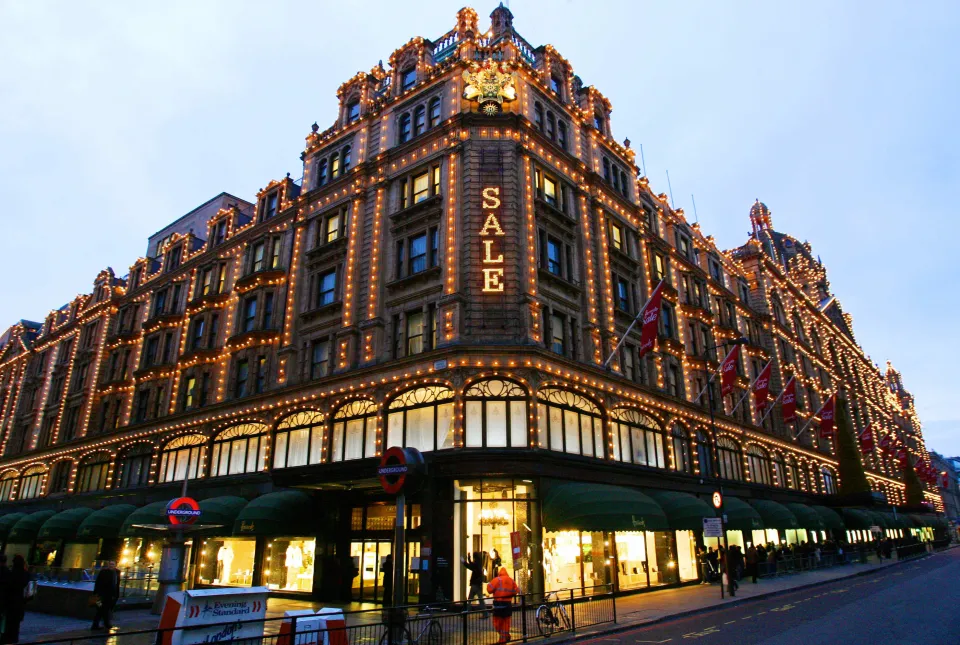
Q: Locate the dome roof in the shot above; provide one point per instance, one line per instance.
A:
(759, 209)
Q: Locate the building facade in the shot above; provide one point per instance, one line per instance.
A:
(467, 246)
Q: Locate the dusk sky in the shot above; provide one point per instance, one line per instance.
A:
(841, 117)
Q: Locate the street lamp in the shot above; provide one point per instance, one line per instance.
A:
(716, 458)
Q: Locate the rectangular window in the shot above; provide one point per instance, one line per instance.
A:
(327, 287)
(418, 253)
(320, 358)
(267, 310)
(243, 373)
(220, 232)
(275, 253)
(221, 277)
(551, 191)
(659, 267)
(150, 351)
(616, 236)
(197, 337)
(206, 281)
(408, 78)
(332, 229)
(271, 206)
(434, 247)
(353, 111)
(204, 389)
(261, 375)
(249, 314)
(558, 334)
(421, 187)
(190, 391)
(214, 331)
(258, 257)
(623, 294)
(415, 333)
(554, 256)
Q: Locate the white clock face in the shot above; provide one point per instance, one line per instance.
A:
(717, 500)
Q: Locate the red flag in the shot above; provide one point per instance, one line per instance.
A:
(761, 388)
(789, 407)
(728, 371)
(826, 417)
(650, 319)
(902, 457)
(866, 440)
(944, 480)
(885, 444)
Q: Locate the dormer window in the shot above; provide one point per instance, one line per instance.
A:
(408, 78)
(173, 260)
(220, 232)
(598, 122)
(556, 84)
(353, 110)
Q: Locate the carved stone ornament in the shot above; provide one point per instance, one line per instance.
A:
(490, 84)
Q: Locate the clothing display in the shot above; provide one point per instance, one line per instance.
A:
(224, 563)
(294, 562)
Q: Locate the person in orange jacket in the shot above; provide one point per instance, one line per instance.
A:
(503, 589)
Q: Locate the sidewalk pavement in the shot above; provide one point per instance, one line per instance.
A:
(632, 610)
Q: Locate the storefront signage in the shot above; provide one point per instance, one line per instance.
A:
(712, 527)
(183, 510)
(400, 469)
(493, 263)
(717, 499)
(213, 616)
(515, 548)
(247, 527)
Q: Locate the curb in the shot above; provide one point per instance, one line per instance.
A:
(736, 603)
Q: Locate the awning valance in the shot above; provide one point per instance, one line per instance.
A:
(64, 525)
(775, 515)
(222, 511)
(806, 516)
(105, 522)
(155, 513)
(856, 519)
(27, 528)
(898, 521)
(740, 515)
(601, 507)
(288, 512)
(880, 519)
(924, 520)
(685, 512)
(830, 517)
(7, 521)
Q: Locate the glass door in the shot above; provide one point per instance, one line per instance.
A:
(368, 558)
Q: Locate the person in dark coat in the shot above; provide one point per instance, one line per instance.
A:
(4, 581)
(752, 559)
(475, 567)
(107, 589)
(13, 600)
(387, 570)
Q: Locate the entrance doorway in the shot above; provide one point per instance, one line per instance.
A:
(368, 557)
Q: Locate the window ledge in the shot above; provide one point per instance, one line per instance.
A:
(328, 247)
(434, 201)
(253, 280)
(554, 210)
(322, 310)
(421, 276)
(252, 337)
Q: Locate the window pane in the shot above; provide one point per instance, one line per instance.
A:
(337, 447)
(586, 434)
(518, 424)
(316, 444)
(658, 439)
(238, 456)
(474, 436)
(280, 456)
(445, 425)
(420, 428)
(354, 442)
(395, 429)
(556, 428)
(542, 423)
(299, 440)
(496, 423)
(598, 437)
(625, 453)
(639, 446)
(571, 431)
(421, 187)
(371, 441)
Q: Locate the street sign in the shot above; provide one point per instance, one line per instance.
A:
(183, 510)
(717, 499)
(712, 527)
(400, 468)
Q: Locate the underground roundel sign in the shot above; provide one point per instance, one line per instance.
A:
(400, 469)
(183, 510)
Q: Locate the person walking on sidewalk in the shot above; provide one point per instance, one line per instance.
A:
(107, 590)
(752, 559)
(475, 567)
(14, 599)
(730, 566)
(503, 589)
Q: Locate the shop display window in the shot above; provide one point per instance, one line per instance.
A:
(227, 562)
(687, 555)
(579, 560)
(288, 564)
(486, 513)
(79, 556)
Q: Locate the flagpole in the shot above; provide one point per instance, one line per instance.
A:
(606, 363)
(713, 374)
(774, 404)
(810, 420)
(750, 387)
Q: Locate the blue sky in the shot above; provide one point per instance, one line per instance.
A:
(842, 117)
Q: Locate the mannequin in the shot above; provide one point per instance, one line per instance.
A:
(225, 560)
(294, 563)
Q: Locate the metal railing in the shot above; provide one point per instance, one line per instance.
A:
(533, 616)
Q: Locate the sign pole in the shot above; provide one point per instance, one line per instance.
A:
(399, 552)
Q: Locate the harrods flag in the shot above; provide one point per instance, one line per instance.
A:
(789, 408)
(902, 456)
(885, 444)
(650, 319)
(728, 371)
(761, 388)
(866, 440)
(827, 429)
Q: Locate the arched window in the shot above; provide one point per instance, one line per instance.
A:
(815, 338)
(728, 454)
(829, 482)
(496, 415)
(682, 459)
(538, 115)
(778, 310)
(421, 419)
(551, 125)
(404, 129)
(567, 422)
(434, 112)
(92, 472)
(31, 482)
(598, 122)
(562, 134)
(419, 121)
(60, 477)
(133, 466)
(6, 484)
(181, 458)
(299, 440)
(354, 431)
(759, 461)
(798, 327)
(801, 477)
(347, 158)
(239, 449)
(637, 439)
(779, 472)
(704, 456)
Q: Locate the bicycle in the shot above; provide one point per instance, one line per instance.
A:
(551, 615)
(431, 632)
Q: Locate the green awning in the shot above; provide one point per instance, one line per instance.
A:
(924, 520)
(64, 525)
(740, 515)
(880, 519)
(807, 517)
(222, 511)
(685, 512)
(856, 519)
(830, 517)
(155, 513)
(775, 515)
(289, 512)
(7, 521)
(26, 529)
(600, 507)
(106, 522)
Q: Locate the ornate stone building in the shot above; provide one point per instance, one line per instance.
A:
(466, 247)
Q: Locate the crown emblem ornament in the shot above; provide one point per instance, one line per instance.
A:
(490, 84)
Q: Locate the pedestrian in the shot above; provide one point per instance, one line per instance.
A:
(106, 588)
(729, 568)
(752, 560)
(387, 569)
(503, 589)
(475, 567)
(713, 560)
(495, 563)
(14, 599)
(4, 581)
